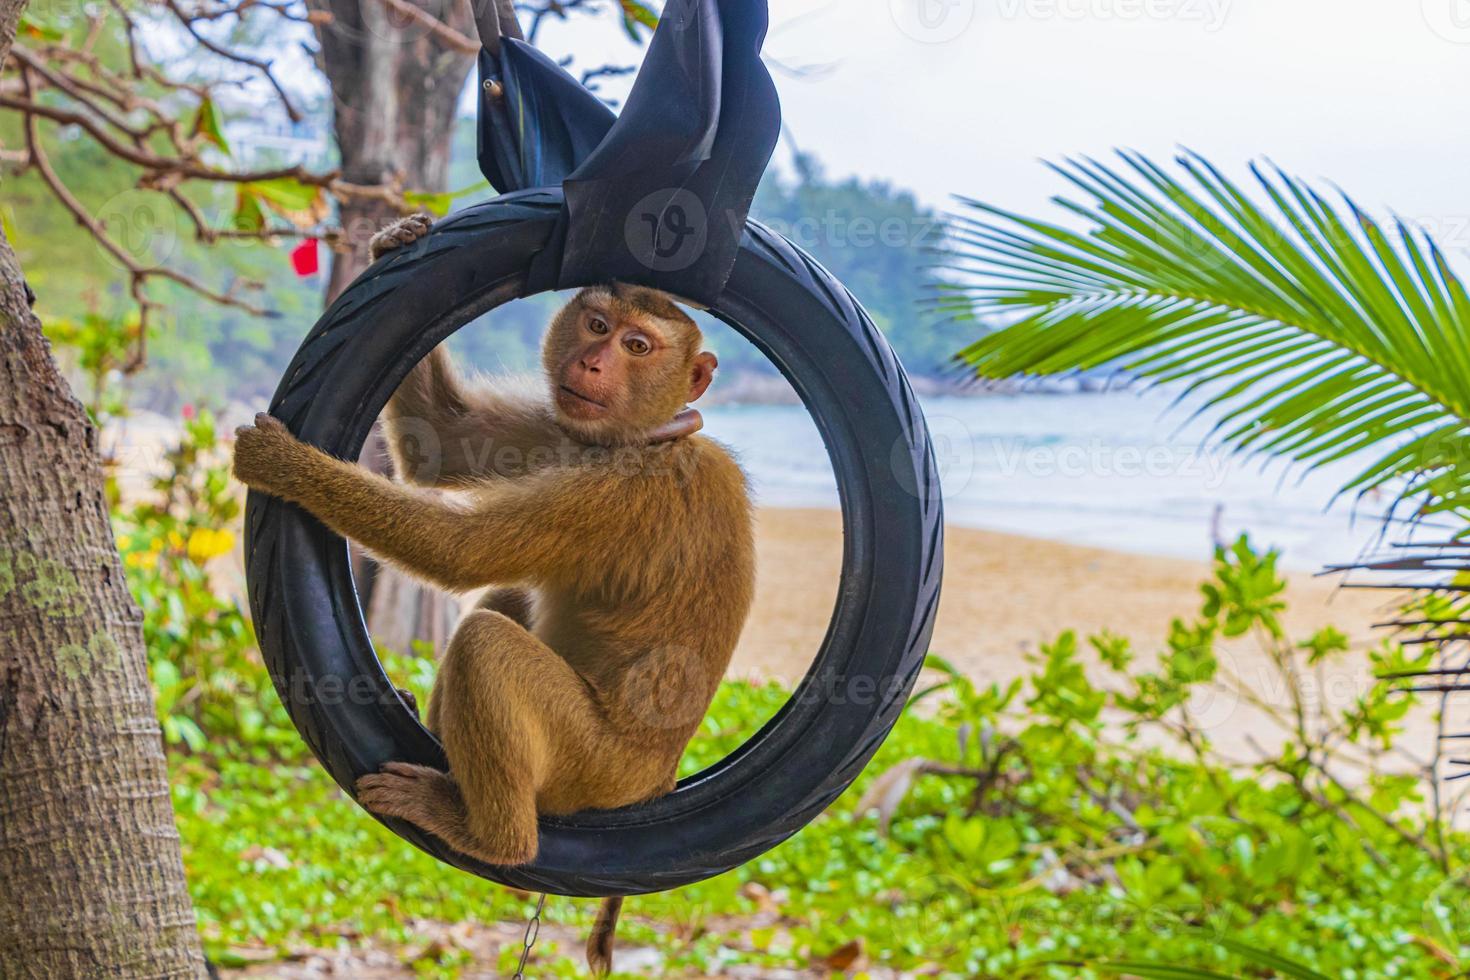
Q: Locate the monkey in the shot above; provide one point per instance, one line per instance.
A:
(618, 545)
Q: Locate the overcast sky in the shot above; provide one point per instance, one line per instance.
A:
(966, 96)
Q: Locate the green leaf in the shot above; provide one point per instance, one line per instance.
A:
(1312, 331)
(1150, 971)
(1280, 964)
(440, 203)
(934, 661)
(637, 12)
(31, 28)
(207, 124)
(248, 213)
(286, 193)
(7, 225)
(302, 204)
(436, 204)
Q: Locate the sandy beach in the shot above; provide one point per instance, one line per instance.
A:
(1004, 595)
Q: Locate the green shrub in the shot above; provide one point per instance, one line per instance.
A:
(208, 679)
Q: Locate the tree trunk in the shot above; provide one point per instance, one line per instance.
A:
(91, 878)
(395, 90)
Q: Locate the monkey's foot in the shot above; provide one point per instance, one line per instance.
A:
(409, 699)
(430, 799)
(404, 231)
(424, 797)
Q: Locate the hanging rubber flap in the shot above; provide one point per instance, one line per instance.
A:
(663, 199)
(537, 123)
(659, 194)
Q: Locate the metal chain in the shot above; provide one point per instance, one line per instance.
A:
(533, 929)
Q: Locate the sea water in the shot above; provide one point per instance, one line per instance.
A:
(1126, 470)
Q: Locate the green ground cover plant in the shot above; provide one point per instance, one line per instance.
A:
(1076, 821)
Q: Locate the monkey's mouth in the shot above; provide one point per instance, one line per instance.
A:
(583, 398)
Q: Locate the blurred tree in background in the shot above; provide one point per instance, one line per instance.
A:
(878, 240)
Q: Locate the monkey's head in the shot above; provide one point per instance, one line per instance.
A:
(624, 362)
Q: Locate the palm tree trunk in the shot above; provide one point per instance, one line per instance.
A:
(91, 878)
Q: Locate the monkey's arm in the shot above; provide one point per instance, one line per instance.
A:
(443, 431)
(506, 535)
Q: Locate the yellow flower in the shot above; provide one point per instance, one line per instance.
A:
(175, 539)
(124, 542)
(206, 543)
(143, 559)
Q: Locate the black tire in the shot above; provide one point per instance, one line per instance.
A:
(316, 644)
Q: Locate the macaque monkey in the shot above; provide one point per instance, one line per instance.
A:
(618, 544)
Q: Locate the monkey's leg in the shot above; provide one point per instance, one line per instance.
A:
(503, 697)
(514, 718)
(517, 604)
(513, 603)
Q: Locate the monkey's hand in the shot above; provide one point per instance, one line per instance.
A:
(404, 231)
(269, 458)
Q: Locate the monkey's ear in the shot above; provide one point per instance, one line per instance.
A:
(703, 372)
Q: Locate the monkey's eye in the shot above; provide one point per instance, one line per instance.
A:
(637, 346)
(597, 325)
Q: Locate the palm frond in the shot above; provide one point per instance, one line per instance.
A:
(1312, 332)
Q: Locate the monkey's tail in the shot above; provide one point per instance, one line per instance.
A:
(604, 931)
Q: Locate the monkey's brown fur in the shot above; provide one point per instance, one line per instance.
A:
(623, 552)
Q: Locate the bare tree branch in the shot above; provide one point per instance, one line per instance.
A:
(451, 38)
(550, 8)
(138, 273)
(259, 64)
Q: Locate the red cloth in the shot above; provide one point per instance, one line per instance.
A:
(304, 258)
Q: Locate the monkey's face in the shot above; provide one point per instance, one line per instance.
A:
(622, 361)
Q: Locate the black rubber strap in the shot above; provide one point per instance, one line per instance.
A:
(496, 22)
(659, 196)
(537, 123)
